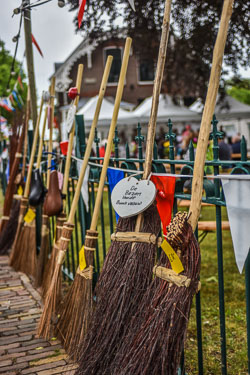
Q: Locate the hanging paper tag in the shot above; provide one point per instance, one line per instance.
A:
(70, 118)
(82, 260)
(173, 257)
(30, 216)
(20, 190)
(60, 180)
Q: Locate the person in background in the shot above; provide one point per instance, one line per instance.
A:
(225, 151)
(236, 144)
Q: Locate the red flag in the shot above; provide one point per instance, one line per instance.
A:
(164, 198)
(36, 44)
(19, 79)
(82, 4)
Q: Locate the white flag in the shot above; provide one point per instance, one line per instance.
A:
(84, 188)
(237, 195)
(132, 4)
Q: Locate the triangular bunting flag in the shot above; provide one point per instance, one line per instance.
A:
(164, 198)
(36, 44)
(85, 186)
(114, 176)
(132, 4)
(82, 4)
(237, 195)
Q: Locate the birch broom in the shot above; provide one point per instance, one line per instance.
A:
(9, 224)
(127, 270)
(76, 307)
(50, 266)
(25, 235)
(157, 333)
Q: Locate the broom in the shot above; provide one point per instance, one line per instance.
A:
(50, 266)
(46, 323)
(127, 270)
(72, 324)
(23, 240)
(157, 333)
(9, 224)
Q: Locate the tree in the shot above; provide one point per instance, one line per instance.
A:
(193, 32)
(6, 77)
(239, 88)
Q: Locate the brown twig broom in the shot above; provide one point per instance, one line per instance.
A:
(9, 224)
(18, 260)
(127, 270)
(74, 310)
(50, 266)
(157, 333)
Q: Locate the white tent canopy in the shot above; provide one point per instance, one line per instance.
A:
(167, 110)
(106, 113)
(226, 108)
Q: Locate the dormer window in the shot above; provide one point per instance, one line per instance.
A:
(116, 52)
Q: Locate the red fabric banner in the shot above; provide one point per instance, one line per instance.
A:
(36, 44)
(165, 186)
(82, 4)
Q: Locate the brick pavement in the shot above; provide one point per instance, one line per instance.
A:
(21, 351)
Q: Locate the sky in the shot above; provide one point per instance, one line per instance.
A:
(54, 31)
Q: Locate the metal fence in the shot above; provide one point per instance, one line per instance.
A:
(106, 225)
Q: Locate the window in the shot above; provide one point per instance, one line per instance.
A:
(146, 71)
(116, 64)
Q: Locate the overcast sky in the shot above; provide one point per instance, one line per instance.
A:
(53, 29)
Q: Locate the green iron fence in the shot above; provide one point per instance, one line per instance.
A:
(106, 225)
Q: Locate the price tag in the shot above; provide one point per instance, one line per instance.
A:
(70, 118)
(173, 257)
(82, 260)
(20, 190)
(30, 216)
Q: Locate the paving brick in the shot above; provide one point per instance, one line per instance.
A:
(65, 370)
(18, 366)
(15, 338)
(25, 348)
(43, 367)
(5, 363)
(10, 346)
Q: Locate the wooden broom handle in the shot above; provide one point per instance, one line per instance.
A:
(72, 133)
(25, 147)
(33, 151)
(51, 119)
(200, 157)
(155, 100)
(90, 139)
(111, 133)
(157, 89)
(40, 149)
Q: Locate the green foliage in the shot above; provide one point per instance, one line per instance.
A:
(239, 88)
(194, 26)
(5, 73)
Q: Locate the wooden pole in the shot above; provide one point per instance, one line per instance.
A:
(200, 157)
(40, 149)
(50, 124)
(118, 98)
(33, 151)
(72, 134)
(90, 140)
(30, 62)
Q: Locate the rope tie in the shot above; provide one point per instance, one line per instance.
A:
(87, 273)
(61, 257)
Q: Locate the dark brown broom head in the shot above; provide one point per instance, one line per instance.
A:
(7, 235)
(44, 251)
(125, 277)
(156, 334)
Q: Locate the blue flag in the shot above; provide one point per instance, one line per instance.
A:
(114, 176)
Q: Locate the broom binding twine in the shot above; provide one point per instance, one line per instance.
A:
(90, 240)
(137, 237)
(61, 257)
(87, 273)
